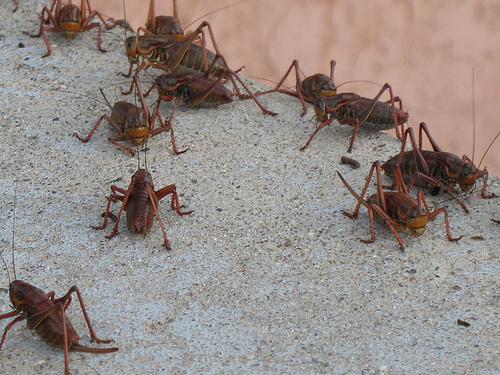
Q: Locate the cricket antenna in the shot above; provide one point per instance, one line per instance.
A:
(488, 149)
(14, 230)
(474, 124)
(146, 155)
(214, 11)
(473, 115)
(6, 267)
(125, 16)
(13, 236)
(138, 157)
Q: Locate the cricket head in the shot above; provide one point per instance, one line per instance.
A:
(131, 48)
(318, 85)
(416, 220)
(468, 174)
(23, 295)
(137, 125)
(70, 20)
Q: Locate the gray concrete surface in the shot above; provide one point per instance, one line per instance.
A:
(266, 276)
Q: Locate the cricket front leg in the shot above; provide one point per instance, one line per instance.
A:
(321, 126)
(433, 214)
(9, 326)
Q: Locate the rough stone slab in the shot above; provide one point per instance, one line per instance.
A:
(266, 276)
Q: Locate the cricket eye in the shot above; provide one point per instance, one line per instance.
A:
(412, 214)
(467, 171)
(19, 295)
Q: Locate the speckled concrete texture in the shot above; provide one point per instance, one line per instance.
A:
(266, 276)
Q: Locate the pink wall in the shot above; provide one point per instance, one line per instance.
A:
(425, 50)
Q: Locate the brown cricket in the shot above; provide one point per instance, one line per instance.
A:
(398, 210)
(159, 46)
(354, 110)
(194, 90)
(132, 123)
(140, 200)
(170, 25)
(47, 315)
(436, 169)
(163, 25)
(71, 19)
(347, 108)
(309, 89)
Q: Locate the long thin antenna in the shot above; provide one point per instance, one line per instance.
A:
(474, 124)
(360, 81)
(488, 149)
(13, 237)
(212, 12)
(125, 16)
(6, 267)
(138, 157)
(145, 155)
(89, 97)
(13, 231)
(473, 115)
(106, 99)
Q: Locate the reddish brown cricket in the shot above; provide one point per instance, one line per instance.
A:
(346, 108)
(132, 123)
(436, 169)
(16, 5)
(46, 315)
(170, 54)
(165, 44)
(352, 109)
(170, 25)
(194, 89)
(163, 25)
(308, 89)
(71, 19)
(398, 210)
(140, 201)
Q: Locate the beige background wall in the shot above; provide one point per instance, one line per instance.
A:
(425, 50)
